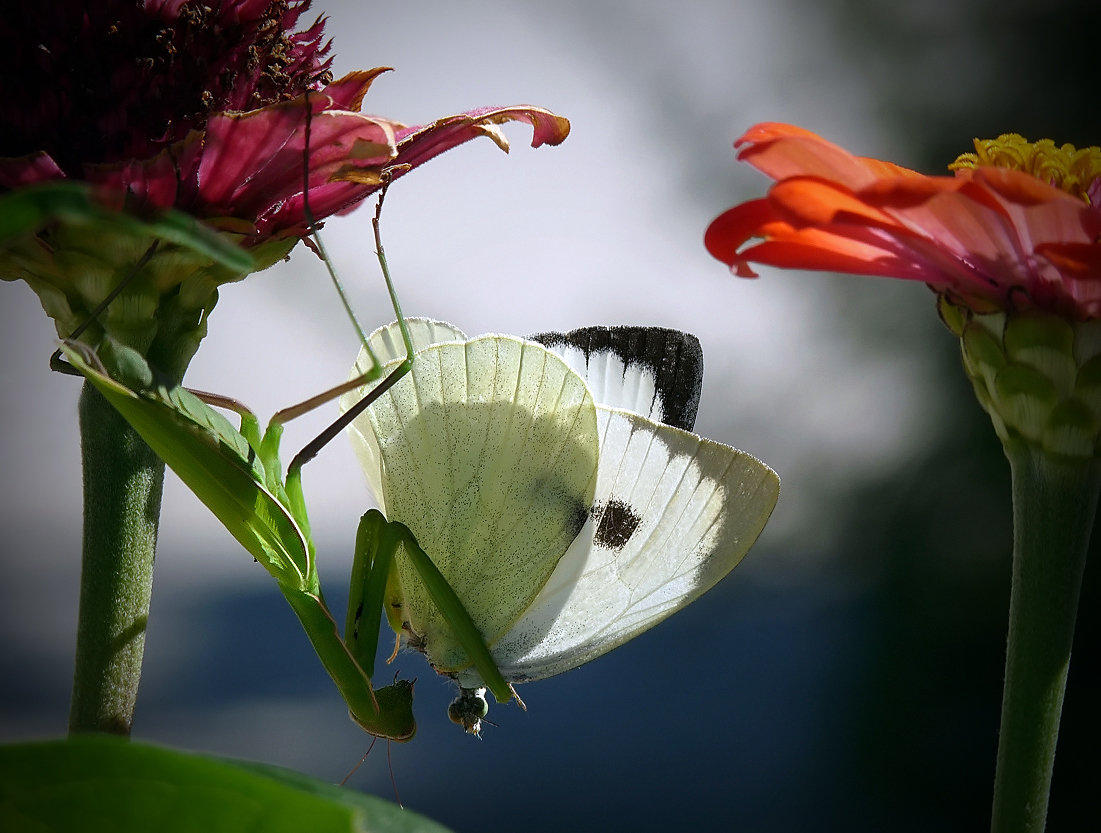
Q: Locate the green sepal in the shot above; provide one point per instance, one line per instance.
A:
(1025, 398)
(99, 782)
(1045, 343)
(1070, 430)
(982, 354)
(1037, 374)
(26, 210)
(954, 317)
(1087, 387)
(215, 461)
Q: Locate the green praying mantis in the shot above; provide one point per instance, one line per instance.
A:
(237, 474)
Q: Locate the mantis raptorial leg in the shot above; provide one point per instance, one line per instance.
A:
(377, 541)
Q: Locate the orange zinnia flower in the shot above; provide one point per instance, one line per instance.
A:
(1012, 246)
(1018, 226)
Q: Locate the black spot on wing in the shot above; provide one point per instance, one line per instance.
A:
(674, 360)
(618, 523)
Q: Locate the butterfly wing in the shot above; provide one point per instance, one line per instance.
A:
(673, 513)
(487, 451)
(389, 349)
(652, 371)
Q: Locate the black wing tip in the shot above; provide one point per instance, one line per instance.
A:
(596, 338)
(674, 357)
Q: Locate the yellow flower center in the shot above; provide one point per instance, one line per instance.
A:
(1065, 167)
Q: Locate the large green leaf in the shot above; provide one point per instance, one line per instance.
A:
(94, 783)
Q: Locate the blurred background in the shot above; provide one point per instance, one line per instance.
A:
(847, 676)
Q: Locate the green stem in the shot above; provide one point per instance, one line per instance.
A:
(123, 479)
(1054, 499)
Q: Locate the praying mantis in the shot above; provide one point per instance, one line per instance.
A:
(237, 474)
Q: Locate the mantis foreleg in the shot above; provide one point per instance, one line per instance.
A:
(385, 712)
(376, 546)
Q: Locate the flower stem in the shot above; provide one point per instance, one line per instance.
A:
(1054, 498)
(123, 479)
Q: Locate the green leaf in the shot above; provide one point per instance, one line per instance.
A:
(103, 783)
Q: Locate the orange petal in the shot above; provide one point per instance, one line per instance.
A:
(783, 150)
(805, 201)
(734, 227)
(821, 250)
(769, 131)
(804, 248)
(906, 191)
(1019, 187)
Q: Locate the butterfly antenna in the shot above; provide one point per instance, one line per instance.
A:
(393, 780)
(374, 738)
(57, 363)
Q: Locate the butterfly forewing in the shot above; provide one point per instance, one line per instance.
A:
(652, 371)
(389, 349)
(673, 513)
(487, 451)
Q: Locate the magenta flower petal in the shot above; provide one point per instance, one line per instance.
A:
(415, 146)
(29, 169)
(419, 144)
(289, 218)
(150, 182)
(347, 93)
(254, 160)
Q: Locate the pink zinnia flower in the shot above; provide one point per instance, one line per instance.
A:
(199, 108)
(202, 109)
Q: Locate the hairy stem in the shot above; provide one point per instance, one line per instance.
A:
(123, 480)
(1054, 499)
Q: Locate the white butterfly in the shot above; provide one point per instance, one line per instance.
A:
(555, 483)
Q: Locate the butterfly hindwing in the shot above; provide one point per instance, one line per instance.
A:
(673, 513)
